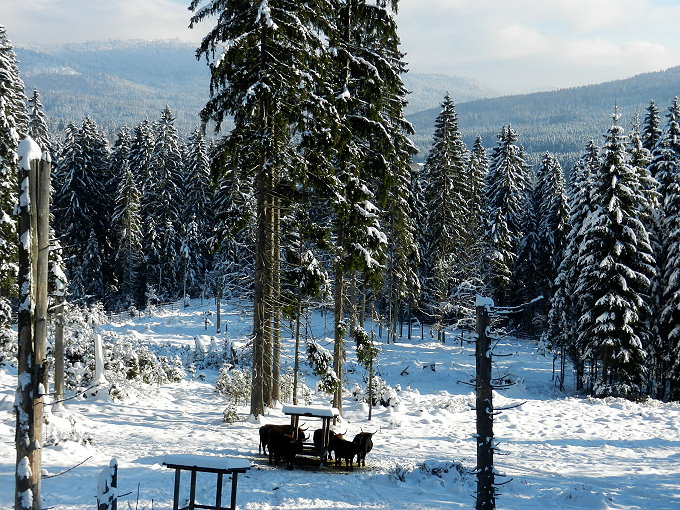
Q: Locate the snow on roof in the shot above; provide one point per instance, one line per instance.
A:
(319, 411)
(204, 461)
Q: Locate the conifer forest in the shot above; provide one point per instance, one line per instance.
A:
(297, 190)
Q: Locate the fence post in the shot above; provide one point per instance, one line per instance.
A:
(486, 497)
(107, 487)
(34, 185)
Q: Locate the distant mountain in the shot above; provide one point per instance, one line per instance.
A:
(117, 83)
(427, 90)
(122, 82)
(561, 121)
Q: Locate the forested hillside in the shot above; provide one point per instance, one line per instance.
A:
(558, 121)
(117, 83)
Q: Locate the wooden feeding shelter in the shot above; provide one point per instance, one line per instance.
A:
(325, 414)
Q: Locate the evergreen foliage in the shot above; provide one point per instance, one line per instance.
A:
(447, 190)
(651, 132)
(37, 122)
(83, 205)
(506, 190)
(565, 306)
(13, 127)
(614, 284)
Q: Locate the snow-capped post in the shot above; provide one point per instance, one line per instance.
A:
(33, 210)
(486, 490)
(107, 487)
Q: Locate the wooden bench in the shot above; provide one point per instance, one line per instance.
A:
(205, 464)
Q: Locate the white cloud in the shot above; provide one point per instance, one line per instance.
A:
(518, 41)
(58, 21)
(533, 44)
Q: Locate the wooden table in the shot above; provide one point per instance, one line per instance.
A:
(205, 464)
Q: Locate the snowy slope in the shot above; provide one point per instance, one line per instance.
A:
(560, 451)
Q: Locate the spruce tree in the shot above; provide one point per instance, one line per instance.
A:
(197, 211)
(651, 131)
(37, 122)
(13, 127)
(565, 306)
(505, 190)
(83, 203)
(126, 226)
(265, 77)
(445, 173)
(553, 221)
(665, 166)
(618, 266)
(162, 201)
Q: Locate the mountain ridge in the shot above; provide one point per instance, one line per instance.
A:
(120, 83)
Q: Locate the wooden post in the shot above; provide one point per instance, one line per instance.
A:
(107, 485)
(25, 478)
(486, 499)
(34, 204)
(59, 354)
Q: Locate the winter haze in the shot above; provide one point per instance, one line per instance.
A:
(519, 46)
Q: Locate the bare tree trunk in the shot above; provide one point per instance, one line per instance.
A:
(268, 301)
(276, 308)
(41, 197)
(339, 329)
(34, 203)
(256, 395)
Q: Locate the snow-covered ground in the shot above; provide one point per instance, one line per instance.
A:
(558, 450)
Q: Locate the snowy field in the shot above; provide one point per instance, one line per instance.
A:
(558, 450)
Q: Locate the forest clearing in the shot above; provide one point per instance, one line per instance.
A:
(559, 450)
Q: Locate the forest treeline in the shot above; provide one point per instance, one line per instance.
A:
(311, 196)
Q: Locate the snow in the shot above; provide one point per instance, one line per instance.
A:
(560, 450)
(203, 461)
(311, 410)
(486, 302)
(28, 151)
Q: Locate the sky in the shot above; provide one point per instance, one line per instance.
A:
(509, 45)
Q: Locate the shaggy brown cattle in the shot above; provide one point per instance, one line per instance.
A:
(365, 442)
(332, 438)
(283, 446)
(345, 450)
(267, 430)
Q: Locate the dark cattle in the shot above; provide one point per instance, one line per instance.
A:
(345, 450)
(332, 437)
(365, 442)
(267, 430)
(283, 446)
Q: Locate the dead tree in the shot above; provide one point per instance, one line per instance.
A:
(486, 490)
(34, 203)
